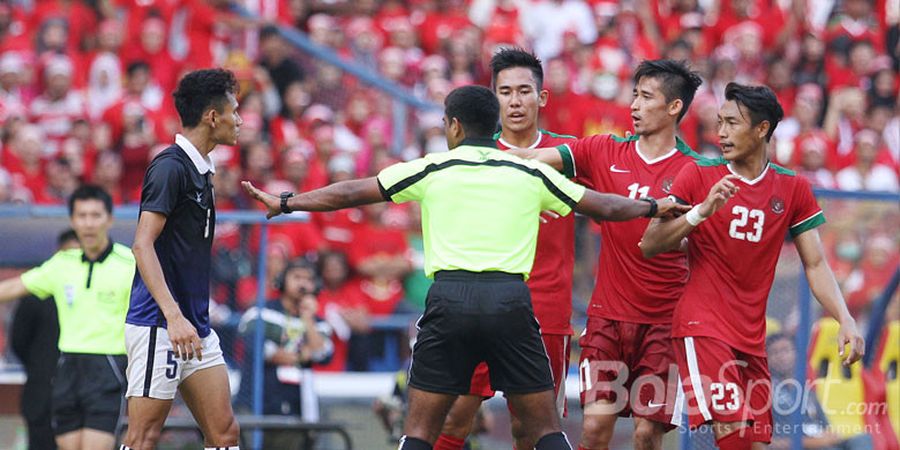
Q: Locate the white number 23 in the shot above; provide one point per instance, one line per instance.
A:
(744, 216)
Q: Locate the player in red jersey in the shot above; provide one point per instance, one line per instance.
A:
(719, 323)
(518, 84)
(627, 339)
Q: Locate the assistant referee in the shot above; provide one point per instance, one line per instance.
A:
(480, 216)
(91, 286)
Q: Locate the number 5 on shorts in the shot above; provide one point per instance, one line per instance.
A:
(172, 369)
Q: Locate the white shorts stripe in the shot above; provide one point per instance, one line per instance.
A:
(696, 384)
(158, 374)
(678, 412)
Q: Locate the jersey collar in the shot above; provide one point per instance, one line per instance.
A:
(537, 141)
(753, 181)
(202, 164)
(479, 142)
(102, 257)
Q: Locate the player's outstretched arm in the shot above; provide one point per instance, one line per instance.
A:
(666, 235)
(547, 155)
(12, 289)
(616, 208)
(826, 290)
(183, 335)
(345, 194)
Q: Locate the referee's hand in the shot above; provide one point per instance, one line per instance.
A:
(184, 338)
(271, 202)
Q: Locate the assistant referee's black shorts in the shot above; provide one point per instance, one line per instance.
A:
(474, 317)
(88, 392)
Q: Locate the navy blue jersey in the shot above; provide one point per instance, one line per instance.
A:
(178, 184)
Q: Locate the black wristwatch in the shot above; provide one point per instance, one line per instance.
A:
(286, 195)
(650, 200)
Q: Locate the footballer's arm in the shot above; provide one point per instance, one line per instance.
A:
(828, 294)
(662, 236)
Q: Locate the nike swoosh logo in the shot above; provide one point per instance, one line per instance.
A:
(613, 169)
(655, 405)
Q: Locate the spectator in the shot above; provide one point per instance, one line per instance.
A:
(295, 340)
(816, 430)
(866, 174)
(343, 306)
(275, 58)
(56, 109)
(547, 21)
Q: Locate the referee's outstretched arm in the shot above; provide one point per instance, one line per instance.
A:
(12, 289)
(616, 208)
(344, 194)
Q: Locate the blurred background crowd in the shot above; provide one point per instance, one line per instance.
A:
(85, 97)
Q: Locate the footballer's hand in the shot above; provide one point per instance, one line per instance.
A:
(184, 338)
(271, 202)
(719, 194)
(667, 208)
(547, 216)
(849, 336)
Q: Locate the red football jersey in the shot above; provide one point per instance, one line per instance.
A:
(630, 287)
(734, 252)
(551, 276)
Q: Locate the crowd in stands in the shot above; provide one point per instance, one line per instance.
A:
(85, 96)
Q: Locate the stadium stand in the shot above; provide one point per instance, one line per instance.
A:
(85, 97)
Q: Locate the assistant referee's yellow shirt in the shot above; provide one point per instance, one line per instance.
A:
(91, 297)
(480, 206)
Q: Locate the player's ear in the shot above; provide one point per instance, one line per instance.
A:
(762, 129)
(543, 97)
(210, 116)
(675, 107)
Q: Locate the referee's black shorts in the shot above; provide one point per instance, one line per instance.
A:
(88, 392)
(474, 317)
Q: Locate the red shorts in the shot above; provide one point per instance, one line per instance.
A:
(558, 348)
(631, 365)
(734, 386)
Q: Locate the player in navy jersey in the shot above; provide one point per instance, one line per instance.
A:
(169, 342)
(748, 205)
(627, 340)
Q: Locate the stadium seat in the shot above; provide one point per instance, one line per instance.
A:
(836, 386)
(886, 364)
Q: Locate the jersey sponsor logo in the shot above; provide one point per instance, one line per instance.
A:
(69, 292)
(667, 184)
(199, 195)
(615, 169)
(650, 404)
(777, 205)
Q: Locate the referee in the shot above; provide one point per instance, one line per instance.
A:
(480, 215)
(91, 286)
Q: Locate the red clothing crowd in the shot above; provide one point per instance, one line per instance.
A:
(85, 96)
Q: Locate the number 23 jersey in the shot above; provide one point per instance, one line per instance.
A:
(733, 253)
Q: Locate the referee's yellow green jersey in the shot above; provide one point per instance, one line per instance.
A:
(91, 297)
(480, 206)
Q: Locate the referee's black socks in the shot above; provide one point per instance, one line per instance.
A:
(553, 441)
(411, 443)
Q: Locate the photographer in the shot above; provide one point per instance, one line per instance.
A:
(295, 339)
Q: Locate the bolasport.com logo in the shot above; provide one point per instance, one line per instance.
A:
(608, 387)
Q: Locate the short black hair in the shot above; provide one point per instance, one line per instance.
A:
(509, 57)
(90, 192)
(200, 90)
(476, 108)
(136, 66)
(760, 101)
(676, 80)
(66, 235)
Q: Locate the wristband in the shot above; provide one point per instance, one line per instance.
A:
(693, 216)
(653, 206)
(284, 199)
